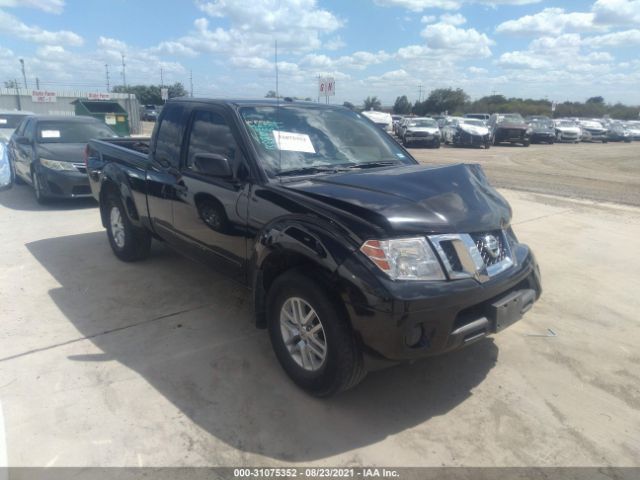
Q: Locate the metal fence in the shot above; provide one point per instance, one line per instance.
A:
(23, 99)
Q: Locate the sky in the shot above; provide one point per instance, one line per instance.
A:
(560, 50)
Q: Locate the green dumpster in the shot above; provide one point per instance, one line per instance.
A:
(109, 112)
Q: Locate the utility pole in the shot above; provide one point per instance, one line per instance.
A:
(124, 74)
(37, 83)
(106, 69)
(161, 78)
(191, 81)
(15, 83)
(24, 75)
(419, 93)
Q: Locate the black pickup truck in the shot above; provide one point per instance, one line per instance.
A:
(356, 255)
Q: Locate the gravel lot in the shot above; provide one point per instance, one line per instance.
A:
(604, 172)
(157, 363)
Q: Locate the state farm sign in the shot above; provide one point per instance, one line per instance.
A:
(98, 96)
(42, 96)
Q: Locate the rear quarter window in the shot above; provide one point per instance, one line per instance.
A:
(169, 136)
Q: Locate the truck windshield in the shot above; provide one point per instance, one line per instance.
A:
(291, 138)
(72, 132)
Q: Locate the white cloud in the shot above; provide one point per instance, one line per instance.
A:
(428, 18)
(453, 19)
(420, 5)
(457, 41)
(12, 26)
(49, 6)
(174, 48)
(550, 21)
(625, 38)
(298, 25)
(617, 12)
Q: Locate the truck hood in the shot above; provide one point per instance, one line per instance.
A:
(64, 152)
(413, 199)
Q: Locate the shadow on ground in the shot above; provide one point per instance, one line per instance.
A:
(21, 197)
(188, 332)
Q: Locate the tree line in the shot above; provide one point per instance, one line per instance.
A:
(457, 102)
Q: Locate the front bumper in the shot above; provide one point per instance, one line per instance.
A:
(567, 137)
(64, 183)
(467, 139)
(424, 138)
(542, 137)
(513, 135)
(449, 315)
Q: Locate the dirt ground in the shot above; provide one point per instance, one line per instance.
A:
(605, 172)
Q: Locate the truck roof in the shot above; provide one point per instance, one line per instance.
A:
(263, 102)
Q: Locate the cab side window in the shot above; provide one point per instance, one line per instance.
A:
(169, 137)
(210, 133)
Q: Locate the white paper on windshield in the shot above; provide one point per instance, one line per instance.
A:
(293, 142)
(3, 121)
(50, 134)
(110, 119)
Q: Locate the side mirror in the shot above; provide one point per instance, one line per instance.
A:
(212, 164)
(23, 141)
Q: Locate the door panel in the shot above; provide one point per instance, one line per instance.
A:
(210, 213)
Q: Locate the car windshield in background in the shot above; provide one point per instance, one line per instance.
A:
(566, 123)
(511, 118)
(424, 123)
(542, 124)
(291, 138)
(72, 132)
(10, 121)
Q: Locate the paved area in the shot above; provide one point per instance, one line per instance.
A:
(157, 363)
(604, 172)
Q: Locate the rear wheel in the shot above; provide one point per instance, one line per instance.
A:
(311, 336)
(128, 242)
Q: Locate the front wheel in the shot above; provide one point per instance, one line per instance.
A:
(128, 242)
(41, 197)
(436, 143)
(404, 142)
(311, 336)
(526, 143)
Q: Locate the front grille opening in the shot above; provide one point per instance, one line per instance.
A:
(81, 190)
(452, 257)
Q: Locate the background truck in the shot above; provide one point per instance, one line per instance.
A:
(356, 255)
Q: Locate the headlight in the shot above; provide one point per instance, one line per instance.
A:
(404, 258)
(56, 165)
(529, 131)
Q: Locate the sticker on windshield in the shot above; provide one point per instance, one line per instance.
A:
(400, 155)
(3, 121)
(110, 119)
(293, 142)
(50, 134)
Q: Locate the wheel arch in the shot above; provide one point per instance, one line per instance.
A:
(314, 248)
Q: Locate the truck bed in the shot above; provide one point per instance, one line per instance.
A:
(133, 151)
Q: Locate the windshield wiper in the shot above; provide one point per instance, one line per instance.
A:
(379, 163)
(308, 171)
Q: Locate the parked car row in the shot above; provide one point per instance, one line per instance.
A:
(47, 152)
(483, 130)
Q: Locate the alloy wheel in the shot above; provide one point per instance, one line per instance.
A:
(117, 227)
(303, 334)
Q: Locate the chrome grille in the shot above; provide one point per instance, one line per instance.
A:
(479, 255)
(490, 256)
(80, 167)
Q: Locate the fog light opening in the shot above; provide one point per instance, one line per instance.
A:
(415, 336)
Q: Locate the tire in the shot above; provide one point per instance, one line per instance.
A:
(128, 242)
(526, 143)
(404, 142)
(487, 145)
(436, 144)
(342, 366)
(16, 178)
(41, 197)
(605, 141)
